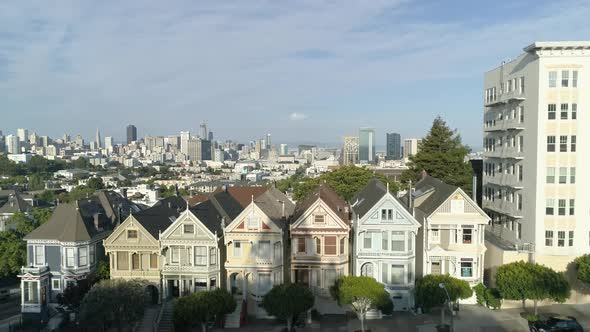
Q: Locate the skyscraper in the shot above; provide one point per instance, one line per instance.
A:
(210, 136)
(536, 152)
(394, 146)
(284, 149)
(411, 147)
(193, 147)
(12, 144)
(367, 145)
(350, 151)
(131, 134)
(108, 142)
(184, 138)
(97, 139)
(204, 134)
(268, 141)
(22, 135)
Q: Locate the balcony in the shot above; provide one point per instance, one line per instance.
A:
(504, 180)
(506, 152)
(503, 207)
(505, 98)
(186, 268)
(35, 270)
(505, 125)
(135, 274)
(382, 253)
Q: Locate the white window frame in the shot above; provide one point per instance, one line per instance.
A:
(92, 254)
(212, 256)
(174, 255)
(237, 249)
(68, 257)
(259, 253)
(37, 261)
(201, 255)
(435, 235)
(184, 229)
(132, 238)
(466, 261)
(82, 256)
(53, 281)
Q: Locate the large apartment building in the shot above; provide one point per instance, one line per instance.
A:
(535, 151)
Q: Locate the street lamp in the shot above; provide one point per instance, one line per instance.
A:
(448, 302)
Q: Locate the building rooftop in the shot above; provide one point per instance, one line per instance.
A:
(557, 45)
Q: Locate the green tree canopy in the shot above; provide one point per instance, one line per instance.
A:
(429, 294)
(530, 281)
(95, 183)
(287, 301)
(582, 264)
(361, 294)
(199, 309)
(441, 155)
(113, 303)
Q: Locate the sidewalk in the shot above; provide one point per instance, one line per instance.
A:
(5, 323)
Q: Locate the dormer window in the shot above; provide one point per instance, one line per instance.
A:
(319, 219)
(386, 214)
(189, 229)
(132, 234)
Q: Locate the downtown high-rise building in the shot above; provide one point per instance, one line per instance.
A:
(367, 145)
(185, 136)
(108, 143)
(193, 149)
(350, 150)
(268, 141)
(536, 152)
(393, 147)
(411, 147)
(283, 149)
(22, 135)
(131, 134)
(12, 144)
(203, 132)
(97, 139)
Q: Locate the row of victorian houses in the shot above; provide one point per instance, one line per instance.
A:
(247, 239)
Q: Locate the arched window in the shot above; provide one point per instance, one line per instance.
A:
(367, 270)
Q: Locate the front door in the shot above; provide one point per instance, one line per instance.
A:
(302, 277)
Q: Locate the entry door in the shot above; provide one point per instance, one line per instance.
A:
(435, 268)
(302, 277)
(400, 302)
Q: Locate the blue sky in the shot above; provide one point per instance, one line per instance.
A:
(308, 70)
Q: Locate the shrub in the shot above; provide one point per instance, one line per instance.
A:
(430, 295)
(493, 298)
(480, 294)
(387, 307)
(583, 268)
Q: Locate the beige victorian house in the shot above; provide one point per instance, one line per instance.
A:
(255, 238)
(192, 251)
(320, 231)
(133, 247)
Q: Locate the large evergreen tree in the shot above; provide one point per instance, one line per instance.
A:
(442, 155)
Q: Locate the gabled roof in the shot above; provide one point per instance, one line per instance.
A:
(161, 215)
(328, 196)
(194, 200)
(233, 200)
(438, 192)
(372, 193)
(271, 203)
(209, 215)
(75, 222)
(243, 195)
(14, 203)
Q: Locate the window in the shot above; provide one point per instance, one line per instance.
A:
(131, 234)
(467, 235)
(175, 255)
(520, 143)
(519, 203)
(500, 168)
(135, 261)
(561, 207)
(573, 146)
(563, 143)
(520, 173)
(550, 178)
(368, 240)
(92, 253)
(318, 246)
(466, 268)
(521, 114)
(397, 274)
(154, 261)
(551, 110)
(238, 248)
(550, 143)
(122, 260)
(562, 175)
(82, 256)
(549, 206)
(264, 283)
(383, 214)
(574, 111)
(264, 250)
(329, 278)
(549, 238)
(518, 230)
(39, 255)
(342, 245)
(522, 85)
(367, 270)
(572, 175)
(55, 284)
(564, 109)
(565, 78)
(390, 214)
(319, 218)
(384, 240)
(410, 242)
(189, 229)
(330, 245)
(397, 241)
(572, 207)
(301, 245)
(31, 288)
(561, 238)
(70, 257)
(574, 79)
(435, 235)
(278, 251)
(201, 255)
(552, 79)
(570, 241)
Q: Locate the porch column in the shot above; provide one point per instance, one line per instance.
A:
(22, 292)
(244, 285)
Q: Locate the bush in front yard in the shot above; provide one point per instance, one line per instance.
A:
(480, 294)
(493, 298)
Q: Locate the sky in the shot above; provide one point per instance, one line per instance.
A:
(304, 71)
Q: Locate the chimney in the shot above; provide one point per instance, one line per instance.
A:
(410, 198)
(97, 223)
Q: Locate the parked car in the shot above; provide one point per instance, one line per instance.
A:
(555, 324)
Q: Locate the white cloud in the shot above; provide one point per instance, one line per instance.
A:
(295, 116)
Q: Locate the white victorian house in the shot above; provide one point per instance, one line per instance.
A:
(384, 242)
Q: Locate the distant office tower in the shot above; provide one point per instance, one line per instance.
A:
(350, 151)
(210, 136)
(204, 134)
(131, 134)
(22, 134)
(185, 136)
(284, 150)
(218, 156)
(206, 150)
(45, 141)
(367, 145)
(536, 152)
(258, 145)
(394, 146)
(2, 142)
(97, 139)
(13, 144)
(411, 146)
(79, 141)
(268, 141)
(33, 138)
(193, 149)
(108, 142)
(173, 141)
(66, 138)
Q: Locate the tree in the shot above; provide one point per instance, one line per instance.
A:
(35, 182)
(41, 215)
(441, 155)
(95, 184)
(530, 281)
(114, 303)
(198, 309)
(103, 270)
(429, 294)
(361, 294)
(72, 296)
(582, 264)
(288, 301)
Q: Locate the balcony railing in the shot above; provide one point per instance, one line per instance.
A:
(185, 268)
(378, 253)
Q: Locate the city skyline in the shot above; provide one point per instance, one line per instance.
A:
(54, 61)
